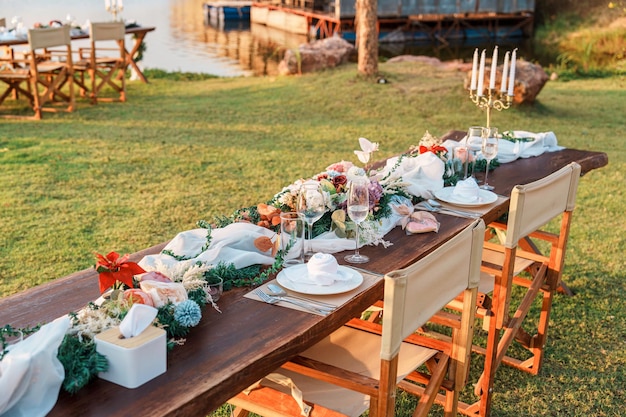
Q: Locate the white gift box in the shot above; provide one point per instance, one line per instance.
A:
(133, 361)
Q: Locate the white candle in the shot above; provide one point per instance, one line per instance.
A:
(120, 6)
(512, 73)
(505, 69)
(481, 74)
(474, 70)
(494, 64)
(107, 4)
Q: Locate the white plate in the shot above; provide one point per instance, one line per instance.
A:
(288, 278)
(484, 197)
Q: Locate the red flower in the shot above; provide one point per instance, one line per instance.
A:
(112, 269)
(436, 149)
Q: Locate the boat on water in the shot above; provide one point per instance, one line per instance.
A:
(227, 10)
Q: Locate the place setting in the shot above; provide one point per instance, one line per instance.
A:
(319, 286)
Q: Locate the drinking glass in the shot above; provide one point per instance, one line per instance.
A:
(311, 206)
(292, 238)
(489, 150)
(358, 208)
(474, 143)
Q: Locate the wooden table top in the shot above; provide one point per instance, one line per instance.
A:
(227, 352)
(129, 31)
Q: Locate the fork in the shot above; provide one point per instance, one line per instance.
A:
(269, 299)
(428, 207)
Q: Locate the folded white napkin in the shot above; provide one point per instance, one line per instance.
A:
(322, 269)
(509, 151)
(466, 190)
(31, 374)
(139, 317)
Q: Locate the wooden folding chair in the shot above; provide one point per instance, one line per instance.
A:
(103, 70)
(359, 366)
(14, 77)
(517, 261)
(45, 73)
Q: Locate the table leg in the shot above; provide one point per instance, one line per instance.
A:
(129, 56)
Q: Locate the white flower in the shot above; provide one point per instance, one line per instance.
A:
(355, 173)
(367, 148)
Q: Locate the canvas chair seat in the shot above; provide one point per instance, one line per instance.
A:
(356, 351)
(360, 365)
(496, 257)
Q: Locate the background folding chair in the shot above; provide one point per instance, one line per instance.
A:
(43, 75)
(103, 70)
(358, 366)
(517, 261)
(14, 78)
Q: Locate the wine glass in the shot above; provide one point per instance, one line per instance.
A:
(489, 150)
(358, 209)
(311, 206)
(474, 143)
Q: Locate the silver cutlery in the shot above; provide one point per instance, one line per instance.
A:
(279, 292)
(428, 207)
(269, 299)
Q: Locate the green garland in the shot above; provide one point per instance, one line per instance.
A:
(80, 361)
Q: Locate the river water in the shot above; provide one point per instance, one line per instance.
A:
(184, 41)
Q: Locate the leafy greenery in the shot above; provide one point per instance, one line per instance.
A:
(80, 361)
(128, 176)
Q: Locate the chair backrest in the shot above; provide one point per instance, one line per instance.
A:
(535, 204)
(414, 294)
(107, 31)
(50, 37)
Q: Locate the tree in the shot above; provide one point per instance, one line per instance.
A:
(367, 36)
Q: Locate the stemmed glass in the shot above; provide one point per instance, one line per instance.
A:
(489, 150)
(474, 143)
(311, 206)
(358, 208)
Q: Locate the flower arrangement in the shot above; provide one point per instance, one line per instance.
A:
(178, 293)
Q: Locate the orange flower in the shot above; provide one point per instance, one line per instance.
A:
(112, 269)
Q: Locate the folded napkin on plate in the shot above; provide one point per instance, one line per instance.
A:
(322, 269)
(466, 190)
(534, 144)
(139, 317)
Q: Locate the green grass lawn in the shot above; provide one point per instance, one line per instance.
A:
(127, 176)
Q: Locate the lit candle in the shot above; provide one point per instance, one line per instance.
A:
(481, 74)
(512, 73)
(494, 64)
(474, 70)
(120, 6)
(107, 4)
(505, 69)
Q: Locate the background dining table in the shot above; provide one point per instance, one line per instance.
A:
(231, 349)
(138, 33)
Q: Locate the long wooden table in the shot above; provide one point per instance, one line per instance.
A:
(227, 352)
(139, 33)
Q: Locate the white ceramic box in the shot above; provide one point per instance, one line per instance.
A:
(133, 361)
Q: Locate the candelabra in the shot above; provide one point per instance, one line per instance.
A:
(498, 100)
(114, 7)
(495, 99)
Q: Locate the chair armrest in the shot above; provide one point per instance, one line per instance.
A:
(329, 373)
